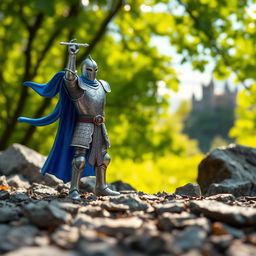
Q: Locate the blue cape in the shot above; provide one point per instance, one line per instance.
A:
(59, 161)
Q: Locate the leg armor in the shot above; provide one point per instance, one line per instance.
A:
(78, 165)
(101, 188)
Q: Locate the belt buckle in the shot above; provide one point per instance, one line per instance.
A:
(98, 120)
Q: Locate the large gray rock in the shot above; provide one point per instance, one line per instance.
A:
(229, 170)
(19, 159)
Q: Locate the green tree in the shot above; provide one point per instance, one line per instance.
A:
(30, 50)
(244, 129)
(120, 35)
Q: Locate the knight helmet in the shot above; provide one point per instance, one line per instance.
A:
(89, 68)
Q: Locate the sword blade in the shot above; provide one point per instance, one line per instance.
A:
(77, 44)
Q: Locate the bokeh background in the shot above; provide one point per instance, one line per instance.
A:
(139, 46)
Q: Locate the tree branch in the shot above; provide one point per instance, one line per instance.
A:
(22, 16)
(48, 45)
(12, 122)
(103, 27)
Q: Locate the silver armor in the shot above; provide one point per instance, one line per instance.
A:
(89, 101)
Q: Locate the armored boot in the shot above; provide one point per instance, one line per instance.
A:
(78, 165)
(101, 188)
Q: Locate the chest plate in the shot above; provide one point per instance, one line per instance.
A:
(92, 102)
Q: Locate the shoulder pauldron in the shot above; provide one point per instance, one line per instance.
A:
(105, 85)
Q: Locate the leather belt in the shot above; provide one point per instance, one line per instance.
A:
(97, 120)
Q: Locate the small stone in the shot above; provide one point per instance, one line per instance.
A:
(83, 220)
(17, 237)
(8, 212)
(240, 249)
(221, 242)
(149, 242)
(68, 207)
(169, 221)
(50, 180)
(174, 207)
(39, 251)
(101, 248)
(42, 239)
(222, 197)
(17, 197)
(65, 236)
(113, 207)
(63, 188)
(189, 189)
(149, 197)
(190, 238)
(193, 252)
(95, 211)
(118, 227)
(132, 201)
(4, 194)
(3, 181)
(41, 189)
(87, 184)
(18, 181)
(251, 238)
(46, 215)
(92, 243)
(224, 229)
(4, 228)
(234, 215)
(121, 186)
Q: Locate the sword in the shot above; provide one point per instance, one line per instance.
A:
(77, 44)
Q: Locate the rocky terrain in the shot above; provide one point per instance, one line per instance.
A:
(37, 217)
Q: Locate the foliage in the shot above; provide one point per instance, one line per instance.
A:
(164, 174)
(244, 129)
(30, 37)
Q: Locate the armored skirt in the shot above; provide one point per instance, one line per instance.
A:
(89, 101)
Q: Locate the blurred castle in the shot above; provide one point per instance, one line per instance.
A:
(211, 101)
(211, 117)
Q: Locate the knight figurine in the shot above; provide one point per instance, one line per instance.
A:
(82, 140)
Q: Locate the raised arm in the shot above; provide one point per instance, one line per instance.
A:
(70, 70)
(70, 76)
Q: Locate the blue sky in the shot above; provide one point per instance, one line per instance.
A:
(190, 80)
